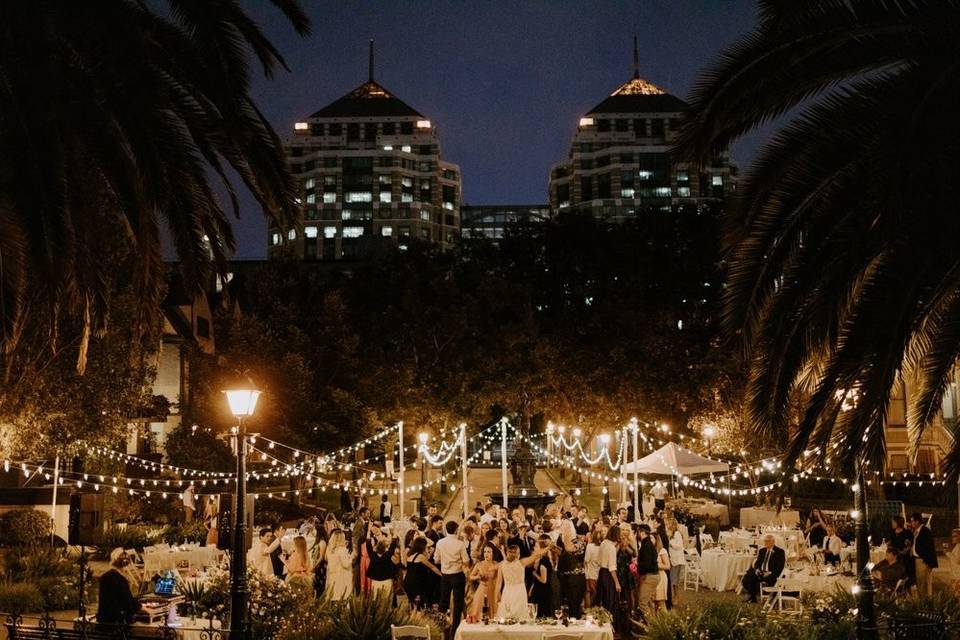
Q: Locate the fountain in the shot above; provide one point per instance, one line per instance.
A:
(523, 466)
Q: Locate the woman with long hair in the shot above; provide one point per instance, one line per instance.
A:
(339, 567)
(608, 583)
(298, 565)
(570, 568)
(484, 576)
(677, 558)
(591, 565)
(420, 574)
(541, 593)
(384, 559)
(319, 552)
(663, 567)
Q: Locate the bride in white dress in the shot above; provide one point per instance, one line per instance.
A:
(513, 600)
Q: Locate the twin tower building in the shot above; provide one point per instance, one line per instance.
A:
(369, 170)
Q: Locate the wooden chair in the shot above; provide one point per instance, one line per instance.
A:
(409, 631)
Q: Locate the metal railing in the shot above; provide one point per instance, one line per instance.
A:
(46, 627)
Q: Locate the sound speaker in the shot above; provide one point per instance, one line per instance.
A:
(84, 525)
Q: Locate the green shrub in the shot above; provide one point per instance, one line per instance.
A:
(20, 597)
(58, 593)
(356, 618)
(270, 601)
(131, 537)
(31, 563)
(27, 527)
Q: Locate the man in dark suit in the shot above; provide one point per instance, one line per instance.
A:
(924, 553)
(765, 570)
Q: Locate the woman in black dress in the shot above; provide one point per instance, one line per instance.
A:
(420, 576)
(816, 529)
(319, 552)
(541, 593)
(573, 580)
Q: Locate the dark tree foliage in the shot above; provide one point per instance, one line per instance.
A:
(577, 320)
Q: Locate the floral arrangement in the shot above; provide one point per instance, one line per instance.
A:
(600, 615)
(270, 601)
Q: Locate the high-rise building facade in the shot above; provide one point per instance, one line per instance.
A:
(369, 171)
(491, 221)
(620, 166)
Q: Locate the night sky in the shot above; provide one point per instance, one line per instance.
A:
(504, 83)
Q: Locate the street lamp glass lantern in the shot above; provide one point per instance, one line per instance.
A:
(604, 438)
(423, 438)
(242, 402)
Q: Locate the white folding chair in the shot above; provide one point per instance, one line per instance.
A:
(692, 571)
(790, 596)
(409, 631)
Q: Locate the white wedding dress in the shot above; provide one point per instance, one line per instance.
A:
(513, 600)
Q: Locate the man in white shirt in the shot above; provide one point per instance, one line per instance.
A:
(832, 545)
(452, 558)
(659, 493)
(490, 515)
(189, 503)
(258, 557)
(386, 509)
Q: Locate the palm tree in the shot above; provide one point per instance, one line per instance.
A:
(114, 115)
(842, 265)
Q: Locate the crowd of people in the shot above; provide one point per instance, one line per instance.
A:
(494, 563)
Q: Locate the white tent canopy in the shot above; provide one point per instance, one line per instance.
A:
(671, 460)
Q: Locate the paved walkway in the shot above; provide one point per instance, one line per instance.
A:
(483, 482)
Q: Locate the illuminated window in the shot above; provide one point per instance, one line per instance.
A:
(329, 232)
(384, 178)
(644, 175)
(352, 232)
(448, 206)
(309, 183)
(292, 234)
(683, 176)
(423, 124)
(329, 197)
(358, 196)
(310, 232)
(406, 197)
(407, 182)
(586, 122)
(330, 181)
(274, 238)
(627, 193)
(388, 147)
(312, 198)
(301, 126)
(717, 181)
(683, 192)
(405, 148)
(386, 232)
(386, 196)
(425, 215)
(662, 192)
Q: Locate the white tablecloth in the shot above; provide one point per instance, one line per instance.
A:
(755, 517)
(788, 540)
(194, 557)
(467, 631)
(720, 568)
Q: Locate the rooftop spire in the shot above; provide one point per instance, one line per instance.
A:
(371, 60)
(636, 60)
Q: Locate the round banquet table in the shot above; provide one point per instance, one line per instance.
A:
(720, 568)
(193, 556)
(824, 583)
(478, 631)
(755, 517)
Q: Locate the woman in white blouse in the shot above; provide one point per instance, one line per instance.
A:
(677, 559)
(591, 566)
(608, 585)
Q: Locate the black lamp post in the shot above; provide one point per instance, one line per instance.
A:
(242, 400)
(866, 615)
(423, 474)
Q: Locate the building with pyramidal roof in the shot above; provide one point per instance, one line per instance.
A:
(370, 172)
(619, 164)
